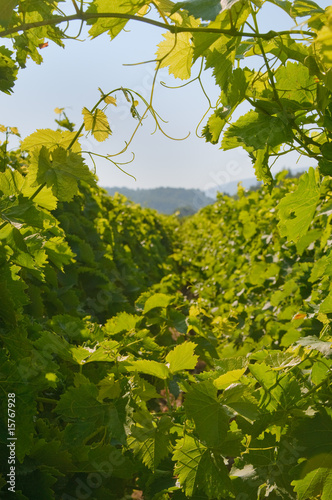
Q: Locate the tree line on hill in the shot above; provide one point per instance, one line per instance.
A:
(168, 200)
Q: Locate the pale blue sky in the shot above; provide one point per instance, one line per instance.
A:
(70, 78)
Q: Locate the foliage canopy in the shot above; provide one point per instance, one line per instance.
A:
(184, 361)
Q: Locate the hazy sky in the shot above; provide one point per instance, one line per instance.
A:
(70, 78)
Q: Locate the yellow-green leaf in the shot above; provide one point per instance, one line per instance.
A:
(51, 139)
(149, 368)
(97, 123)
(228, 378)
(110, 100)
(176, 52)
(296, 210)
(182, 357)
(157, 300)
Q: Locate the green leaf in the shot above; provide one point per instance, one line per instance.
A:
(108, 461)
(318, 482)
(320, 370)
(150, 442)
(215, 125)
(105, 351)
(326, 305)
(109, 388)
(284, 4)
(6, 11)
(207, 9)
(211, 420)
(187, 455)
(220, 57)
(8, 70)
(228, 378)
(51, 454)
(12, 296)
(182, 357)
(97, 123)
(157, 300)
(11, 182)
(256, 130)
(326, 150)
(61, 171)
(19, 211)
(307, 239)
(295, 83)
(176, 53)
(197, 469)
(123, 322)
(112, 25)
(59, 252)
(261, 166)
(325, 166)
(303, 8)
(50, 139)
(150, 368)
(81, 403)
(296, 210)
(313, 343)
(263, 374)
(236, 89)
(50, 343)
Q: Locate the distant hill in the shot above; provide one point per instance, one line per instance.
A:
(165, 199)
(230, 188)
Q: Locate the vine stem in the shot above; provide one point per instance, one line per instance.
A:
(47, 400)
(169, 404)
(87, 16)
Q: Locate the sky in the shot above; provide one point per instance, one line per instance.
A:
(69, 78)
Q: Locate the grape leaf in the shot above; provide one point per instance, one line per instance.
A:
(59, 252)
(317, 482)
(21, 210)
(157, 300)
(8, 70)
(50, 139)
(215, 125)
(182, 357)
(81, 403)
(323, 39)
(151, 443)
(296, 210)
(294, 83)
(326, 305)
(61, 171)
(228, 378)
(196, 469)
(51, 454)
(302, 8)
(256, 130)
(176, 52)
(220, 57)
(12, 296)
(106, 351)
(112, 25)
(211, 420)
(97, 123)
(6, 11)
(261, 166)
(11, 182)
(150, 368)
(205, 9)
(311, 342)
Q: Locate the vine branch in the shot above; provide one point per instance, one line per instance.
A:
(86, 16)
